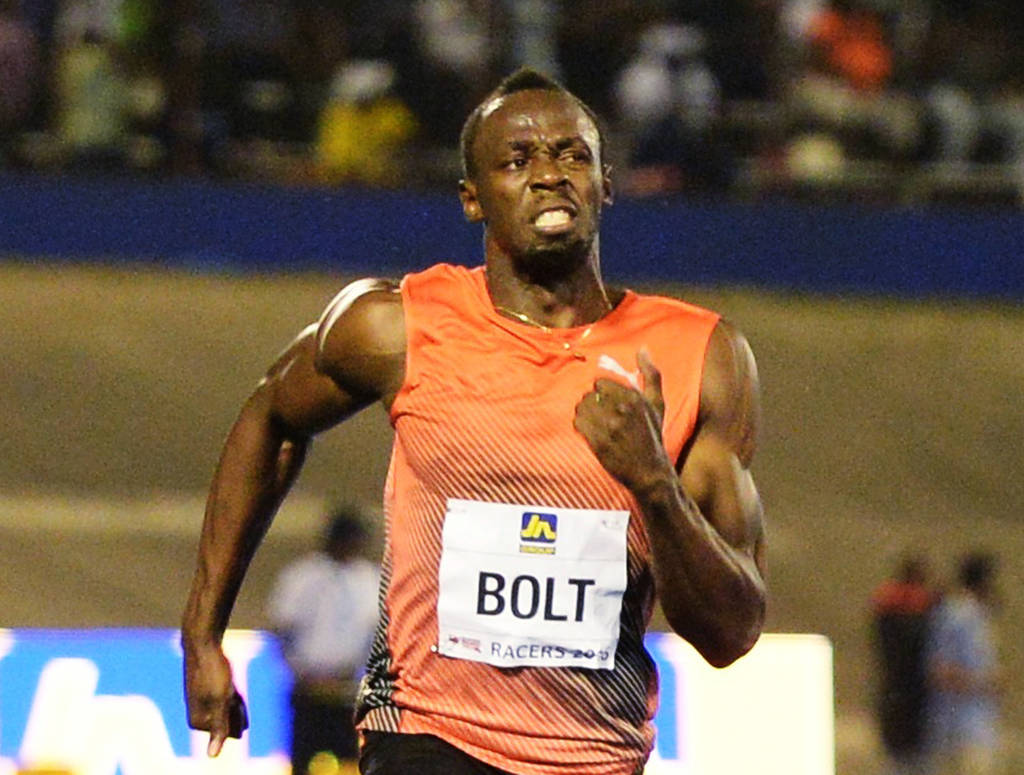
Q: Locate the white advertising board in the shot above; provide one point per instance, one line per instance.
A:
(108, 702)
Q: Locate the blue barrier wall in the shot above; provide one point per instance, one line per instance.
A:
(205, 225)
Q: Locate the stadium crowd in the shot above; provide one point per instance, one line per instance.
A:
(901, 101)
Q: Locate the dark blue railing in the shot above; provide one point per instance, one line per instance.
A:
(206, 225)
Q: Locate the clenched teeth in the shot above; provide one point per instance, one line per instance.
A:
(553, 218)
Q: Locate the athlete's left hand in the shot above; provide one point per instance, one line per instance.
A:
(623, 426)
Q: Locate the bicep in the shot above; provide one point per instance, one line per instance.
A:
(716, 472)
(340, 364)
(360, 340)
(300, 399)
(715, 477)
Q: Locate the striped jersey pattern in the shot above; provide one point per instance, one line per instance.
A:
(486, 414)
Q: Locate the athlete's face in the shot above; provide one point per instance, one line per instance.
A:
(539, 183)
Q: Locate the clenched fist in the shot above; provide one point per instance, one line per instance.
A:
(213, 703)
(623, 426)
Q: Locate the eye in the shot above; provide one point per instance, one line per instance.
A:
(576, 155)
(515, 163)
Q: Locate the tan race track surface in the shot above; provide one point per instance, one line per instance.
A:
(887, 424)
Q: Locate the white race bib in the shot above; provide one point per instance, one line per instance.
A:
(531, 585)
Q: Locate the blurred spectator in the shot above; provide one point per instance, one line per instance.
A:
(532, 31)
(668, 101)
(456, 56)
(844, 85)
(19, 73)
(145, 53)
(91, 90)
(454, 35)
(364, 128)
(974, 95)
(963, 673)
(248, 89)
(796, 18)
(77, 19)
(850, 42)
(667, 71)
(324, 608)
(775, 91)
(900, 611)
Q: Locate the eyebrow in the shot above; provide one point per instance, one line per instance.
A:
(560, 144)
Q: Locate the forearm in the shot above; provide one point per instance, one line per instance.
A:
(711, 592)
(255, 471)
(955, 678)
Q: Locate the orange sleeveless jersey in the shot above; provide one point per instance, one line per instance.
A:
(486, 414)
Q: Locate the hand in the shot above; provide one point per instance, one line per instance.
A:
(213, 703)
(623, 426)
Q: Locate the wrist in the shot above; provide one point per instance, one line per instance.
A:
(194, 636)
(657, 489)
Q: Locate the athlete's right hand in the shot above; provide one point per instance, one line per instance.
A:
(214, 704)
(622, 424)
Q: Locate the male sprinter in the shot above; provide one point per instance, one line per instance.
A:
(564, 451)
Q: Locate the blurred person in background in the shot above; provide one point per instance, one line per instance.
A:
(365, 130)
(668, 99)
(972, 84)
(566, 452)
(252, 108)
(964, 675)
(845, 84)
(92, 90)
(324, 608)
(455, 58)
(20, 69)
(900, 610)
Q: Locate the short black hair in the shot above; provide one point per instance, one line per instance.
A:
(976, 569)
(523, 79)
(913, 568)
(346, 525)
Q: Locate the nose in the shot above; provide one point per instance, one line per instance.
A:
(546, 172)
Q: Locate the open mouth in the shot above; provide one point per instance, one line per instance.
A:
(554, 220)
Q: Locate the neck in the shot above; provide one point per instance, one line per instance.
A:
(576, 298)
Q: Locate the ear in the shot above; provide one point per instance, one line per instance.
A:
(470, 204)
(606, 184)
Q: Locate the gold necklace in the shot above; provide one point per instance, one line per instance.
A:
(524, 318)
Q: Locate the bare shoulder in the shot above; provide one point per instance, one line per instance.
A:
(360, 338)
(366, 309)
(730, 403)
(729, 358)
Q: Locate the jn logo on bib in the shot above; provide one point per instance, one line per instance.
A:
(538, 533)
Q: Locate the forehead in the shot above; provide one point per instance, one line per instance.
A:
(535, 115)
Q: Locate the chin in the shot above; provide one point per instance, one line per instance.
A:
(558, 257)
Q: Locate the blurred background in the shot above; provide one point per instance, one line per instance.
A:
(895, 101)
(184, 185)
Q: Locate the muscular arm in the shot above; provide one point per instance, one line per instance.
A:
(328, 373)
(706, 525)
(704, 519)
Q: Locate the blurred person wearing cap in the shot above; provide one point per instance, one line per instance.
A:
(20, 67)
(364, 130)
(901, 607)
